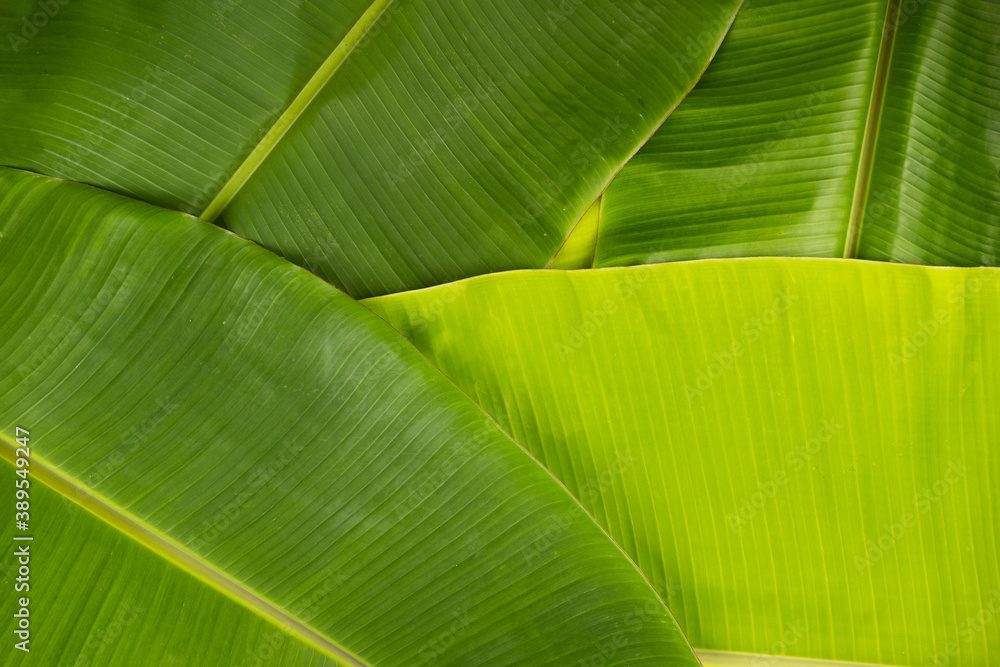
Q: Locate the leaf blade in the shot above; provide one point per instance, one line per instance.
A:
(137, 590)
(937, 173)
(157, 101)
(761, 157)
(378, 191)
(290, 436)
(305, 97)
(747, 431)
(772, 153)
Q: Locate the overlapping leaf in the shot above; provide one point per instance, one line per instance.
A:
(761, 157)
(258, 430)
(935, 191)
(767, 155)
(158, 100)
(386, 146)
(799, 453)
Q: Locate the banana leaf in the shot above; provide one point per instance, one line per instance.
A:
(859, 128)
(234, 463)
(231, 462)
(800, 454)
(385, 146)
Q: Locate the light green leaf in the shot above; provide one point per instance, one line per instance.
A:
(245, 432)
(808, 135)
(578, 250)
(801, 454)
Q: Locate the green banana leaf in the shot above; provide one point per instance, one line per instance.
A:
(783, 149)
(270, 474)
(800, 454)
(160, 101)
(934, 196)
(384, 147)
(233, 463)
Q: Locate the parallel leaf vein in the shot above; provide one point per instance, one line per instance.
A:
(297, 107)
(162, 545)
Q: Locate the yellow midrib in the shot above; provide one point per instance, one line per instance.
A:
(163, 546)
(309, 92)
(584, 233)
(734, 659)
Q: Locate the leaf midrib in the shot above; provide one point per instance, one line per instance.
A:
(713, 658)
(876, 103)
(148, 537)
(542, 466)
(309, 92)
(599, 199)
